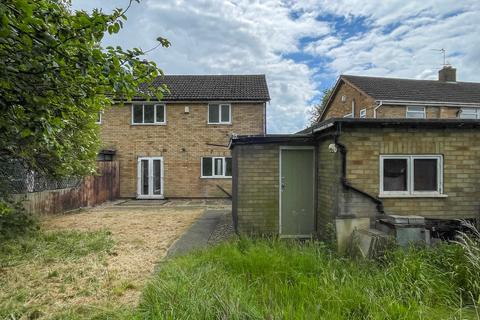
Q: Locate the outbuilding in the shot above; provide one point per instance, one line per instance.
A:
(344, 172)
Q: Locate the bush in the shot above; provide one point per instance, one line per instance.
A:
(14, 220)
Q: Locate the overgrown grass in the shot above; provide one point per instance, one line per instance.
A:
(265, 279)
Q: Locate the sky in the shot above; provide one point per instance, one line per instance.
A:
(303, 46)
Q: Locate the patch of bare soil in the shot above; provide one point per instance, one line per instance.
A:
(142, 237)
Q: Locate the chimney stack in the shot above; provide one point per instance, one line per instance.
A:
(447, 74)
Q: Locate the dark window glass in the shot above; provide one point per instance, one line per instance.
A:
(207, 167)
(144, 176)
(99, 117)
(395, 174)
(425, 175)
(157, 177)
(137, 113)
(160, 113)
(228, 167)
(148, 114)
(225, 113)
(213, 116)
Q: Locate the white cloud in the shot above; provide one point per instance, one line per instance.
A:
(227, 37)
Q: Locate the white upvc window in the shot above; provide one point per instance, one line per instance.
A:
(99, 118)
(415, 112)
(219, 113)
(216, 167)
(469, 113)
(363, 113)
(411, 175)
(149, 114)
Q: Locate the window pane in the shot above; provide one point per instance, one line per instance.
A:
(99, 117)
(395, 174)
(425, 175)
(149, 115)
(468, 113)
(225, 113)
(207, 167)
(157, 177)
(160, 113)
(218, 170)
(137, 113)
(213, 116)
(416, 112)
(228, 167)
(144, 182)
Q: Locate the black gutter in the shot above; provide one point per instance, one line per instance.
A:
(347, 185)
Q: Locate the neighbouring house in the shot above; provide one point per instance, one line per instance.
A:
(346, 171)
(178, 147)
(376, 97)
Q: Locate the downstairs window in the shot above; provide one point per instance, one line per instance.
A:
(411, 175)
(216, 167)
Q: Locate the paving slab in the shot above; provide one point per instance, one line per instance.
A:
(199, 234)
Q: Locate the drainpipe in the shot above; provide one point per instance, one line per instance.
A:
(346, 184)
(375, 110)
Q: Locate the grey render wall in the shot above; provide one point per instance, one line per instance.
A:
(255, 199)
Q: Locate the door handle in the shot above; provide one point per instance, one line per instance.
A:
(282, 184)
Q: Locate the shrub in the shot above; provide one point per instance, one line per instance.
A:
(14, 219)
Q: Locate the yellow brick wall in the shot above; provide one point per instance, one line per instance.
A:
(461, 167)
(181, 142)
(339, 108)
(256, 199)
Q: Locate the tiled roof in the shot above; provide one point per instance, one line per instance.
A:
(215, 87)
(416, 90)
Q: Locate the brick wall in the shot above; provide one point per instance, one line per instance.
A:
(391, 111)
(256, 197)
(461, 154)
(339, 108)
(181, 142)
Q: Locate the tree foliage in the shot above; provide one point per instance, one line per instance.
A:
(316, 112)
(54, 79)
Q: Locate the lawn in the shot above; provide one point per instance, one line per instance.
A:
(91, 264)
(262, 279)
(64, 274)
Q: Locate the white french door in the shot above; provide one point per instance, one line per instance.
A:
(150, 178)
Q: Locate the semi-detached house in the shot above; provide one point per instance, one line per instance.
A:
(178, 147)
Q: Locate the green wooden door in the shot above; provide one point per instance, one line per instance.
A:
(297, 180)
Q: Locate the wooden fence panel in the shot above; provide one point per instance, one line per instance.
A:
(93, 190)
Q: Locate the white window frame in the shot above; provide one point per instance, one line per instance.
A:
(99, 117)
(155, 122)
(220, 113)
(471, 111)
(410, 192)
(363, 113)
(213, 176)
(423, 112)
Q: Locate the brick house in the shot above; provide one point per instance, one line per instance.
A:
(177, 147)
(348, 170)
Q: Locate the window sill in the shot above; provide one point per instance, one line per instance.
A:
(418, 195)
(219, 123)
(149, 124)
(215, 177)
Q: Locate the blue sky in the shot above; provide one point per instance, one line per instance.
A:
(303, 46)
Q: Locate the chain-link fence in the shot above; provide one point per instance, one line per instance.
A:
(18, 179)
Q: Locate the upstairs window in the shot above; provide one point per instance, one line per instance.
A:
(363, 113)
(412, 175)
(219, 113)
(216, 167)
(415, 112)
(148, 114)
(469, 113)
